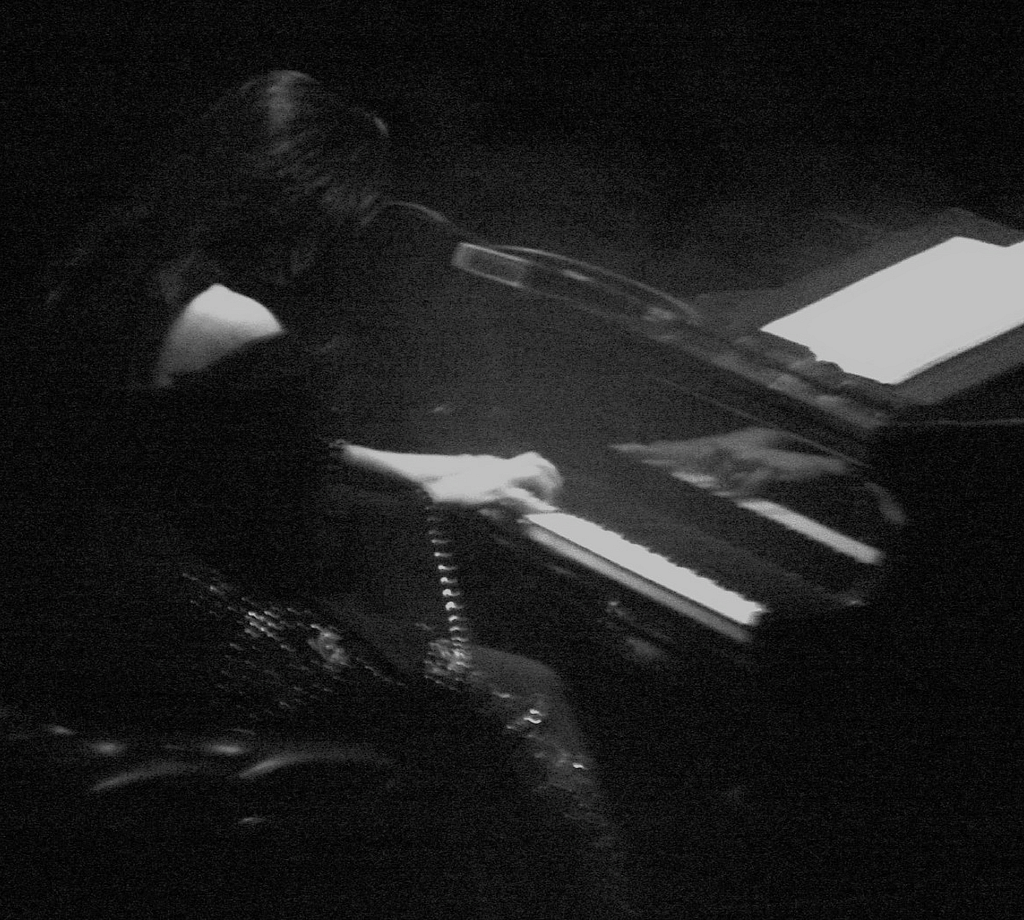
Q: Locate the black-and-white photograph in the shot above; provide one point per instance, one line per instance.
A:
(513, 460)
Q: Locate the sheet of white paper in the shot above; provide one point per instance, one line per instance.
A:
(917, 313)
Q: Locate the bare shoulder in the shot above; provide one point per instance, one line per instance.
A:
(213, 325)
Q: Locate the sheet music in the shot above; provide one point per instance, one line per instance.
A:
(915, 314)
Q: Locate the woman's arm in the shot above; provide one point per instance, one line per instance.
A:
(414, 468)
(523, 483)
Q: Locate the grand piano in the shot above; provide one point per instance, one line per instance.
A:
(716, 475)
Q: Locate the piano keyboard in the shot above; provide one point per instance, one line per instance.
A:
(792, 520)
(678, 588)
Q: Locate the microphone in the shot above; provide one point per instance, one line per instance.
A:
(559, 278)
(549, 275)
(523, 274)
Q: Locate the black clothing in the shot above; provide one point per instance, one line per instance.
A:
(172, 546)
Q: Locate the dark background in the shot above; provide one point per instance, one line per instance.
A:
(702, 146)
(702, 97)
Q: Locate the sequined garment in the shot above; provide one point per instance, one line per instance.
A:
(562, 777)
(272, 665)
(298, 693)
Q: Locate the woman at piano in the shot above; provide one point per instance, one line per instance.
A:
(180, 352)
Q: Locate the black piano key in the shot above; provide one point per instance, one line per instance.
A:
(656, 494)
(723, 561)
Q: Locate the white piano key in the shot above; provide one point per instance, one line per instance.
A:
(653, 575)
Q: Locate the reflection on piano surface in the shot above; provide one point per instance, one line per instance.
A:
(711, 482)
(745, 466)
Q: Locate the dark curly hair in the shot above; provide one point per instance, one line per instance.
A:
(276, 163)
